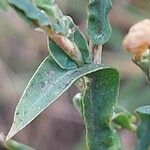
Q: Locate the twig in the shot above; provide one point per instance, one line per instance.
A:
(96, 53)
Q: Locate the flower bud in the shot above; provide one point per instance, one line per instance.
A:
(137, 42)
(138, 38)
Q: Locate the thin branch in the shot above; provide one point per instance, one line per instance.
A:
(96, 53)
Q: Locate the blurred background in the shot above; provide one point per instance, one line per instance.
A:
(22, 49)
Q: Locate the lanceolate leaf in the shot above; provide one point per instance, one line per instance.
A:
(99, 29)
(99, 100)
(79, 39)
(46, 85)
(82, 45)
(143, 131)
(61, 58)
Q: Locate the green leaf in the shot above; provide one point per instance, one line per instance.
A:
(47, 84)
(99, 29)
(82, 45)
(98, 104)
(143, 130)
(125, 120)
(61, 58)
(13, 145)
(81, 42)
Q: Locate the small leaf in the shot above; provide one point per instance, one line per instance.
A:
(143, 130)
(80, 40)
(47, 84)
(99, 29)
(82, 45)
(61, 58)
(124, 118)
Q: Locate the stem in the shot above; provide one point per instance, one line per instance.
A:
(97, 54)
(96, 51)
